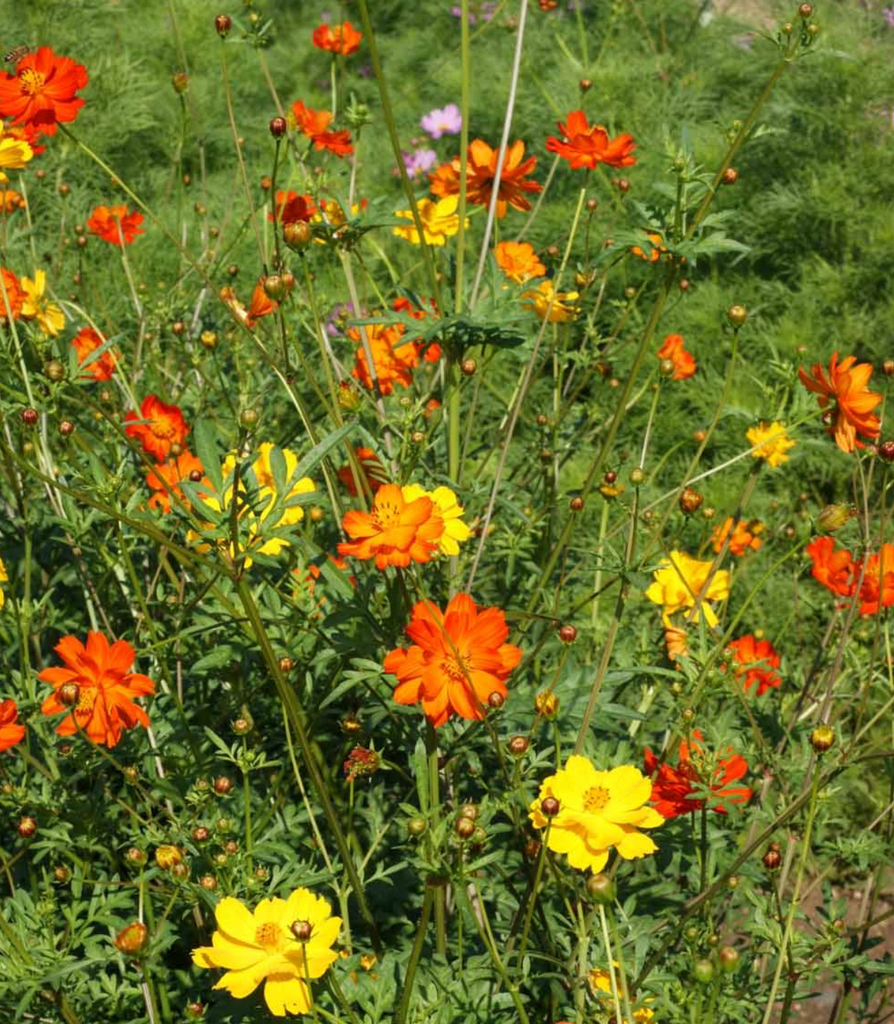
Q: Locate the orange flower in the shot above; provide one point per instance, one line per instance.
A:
(672, 788)
(11, 732)
(675, 642)
(25, 133)
(657, 248)
(344, 38)
(833, 569)
(744, 538)
(480, 172)
(315, 125)
(292, 207)
(585, 145)
(42, 90)
(105, 688)
(674, 350)
(261, 304)
(163, 427)
(105, 222)
(755, 661)
(518, 261)
(877, 588)
(10, 200)
(396, 532)
(401, 304)
(11, 295)
(371, 468)
(392, 364)
(457, 660)
(86, 342)
(173, 472)
(846, 385)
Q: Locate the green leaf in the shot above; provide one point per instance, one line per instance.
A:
(205, 438)
(319, 452)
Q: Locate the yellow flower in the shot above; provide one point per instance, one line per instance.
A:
(440, 221)
(597, 811)
(262, 945)
(4, 578)
(773, 442)
(254, 514)
(601, 986)
(14, 153)
(563, 308)
(49, 318)
(678, 582)
(449, 509)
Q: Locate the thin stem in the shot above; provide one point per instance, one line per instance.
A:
(401, 1013)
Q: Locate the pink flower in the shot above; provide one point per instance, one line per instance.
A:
(448, 121)
(419, 161)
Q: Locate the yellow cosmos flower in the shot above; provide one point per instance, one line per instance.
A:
(4, 578)
(449, 509)
(597, 811)
(678, 582)
(49, 318)
(601, 986)
(773, 441)
(259, 945)
(440, 221)
(563, 308)
(14, 154)
(255, 516)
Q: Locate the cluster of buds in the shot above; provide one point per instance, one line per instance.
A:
(362, 761)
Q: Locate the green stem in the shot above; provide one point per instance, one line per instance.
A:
(431, 748)
(611, 964)
(532, 897)
(401, 1014)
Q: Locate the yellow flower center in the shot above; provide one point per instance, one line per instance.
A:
(455, 668)
(268, 934)
(387, 514)
(163, 427)
(596, 798)
(31, 81)
(86, 699)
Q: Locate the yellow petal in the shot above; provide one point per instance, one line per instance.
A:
(286, 993)
(635, 844)
(234, 918)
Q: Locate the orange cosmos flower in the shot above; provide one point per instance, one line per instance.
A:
(163, 426)
(672, 787)
(86, 342)
(10, 200)
(344, 38)
(396, 532)
(833, 569)
(370, 466)
(12, 297)
(518, 261)
(457, 660)
(755, 661)
(105, 688)
(261, 304)
(292, 207)
(315, 125)
(42, 90)
(657, 248)
(25, 133)
(676, 642)
(585, 145)
(105, 221)
(11, 732)
(673, 348)
(745, 536)
(172, 472)
(845, 384)
(877, 588)
(393, 363)
(480, 172)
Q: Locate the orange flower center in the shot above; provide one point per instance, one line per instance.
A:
(163, 427)
(387, 514)
(31, 81)
(596, 799)
(268, 934)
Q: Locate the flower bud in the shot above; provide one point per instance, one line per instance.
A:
(464, 827)
(728, 957)
(54, 369)
(136, 856)
(737, 315)
(208, 339)
(180, 82)
(822, 738)
(417, 827)
(132, 939)
(690, 500)
(805, 10)
(278, 127)
(26, 826)
(208, 882)
(29, 417)
(772, 858)
(601, 889)
(703, 971)
(201, 834)
(222, 785)
(469, 367)
(730, 176)
(223, 23)
(167, 856)
(496, 700)
(683, 285)
(518, 746)
(549, 807)
(637, 476)
(180, 872)
(585, 85)
(886, 451)
(546, 704)
(248, 418)
(567, 634)
(350, 724)
(301, 930)
(666, 368)
(132, 775)
(576, 504)
(195, 1010)
(297, 234)
(69, 694)
(833, 517)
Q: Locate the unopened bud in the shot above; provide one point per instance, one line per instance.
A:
(737, 315)
(180, 82)
(833, 517)
(601, 889)
(167, 856)
(297, 234)
(690, 500)
(26, 826)
(730, 176)
(549, 807)
(546, 704)
(302, 930)
(822, 738)
(223, 23)
(278, 127)
(132, 939)
(464, 827)
(585, 85)
(222, 785)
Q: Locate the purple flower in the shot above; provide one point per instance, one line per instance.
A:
(443, 122)
(485, 10)
(335, 322)
(419, 161)
(888, 15)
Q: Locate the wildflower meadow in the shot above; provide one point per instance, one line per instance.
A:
(446, 545)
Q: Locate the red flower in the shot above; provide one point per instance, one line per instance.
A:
(846, 386)
(86, 342)
(105, 221)
(11, 732)
(457, 660)
(164, 427)
(25, 133)
(755, 661)
(672, 787)
(291, 207)
(834, 569)
(344, 38)
(42, 90)
(585, 145)
(673, 348)
(877, 588)
(105, 687)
